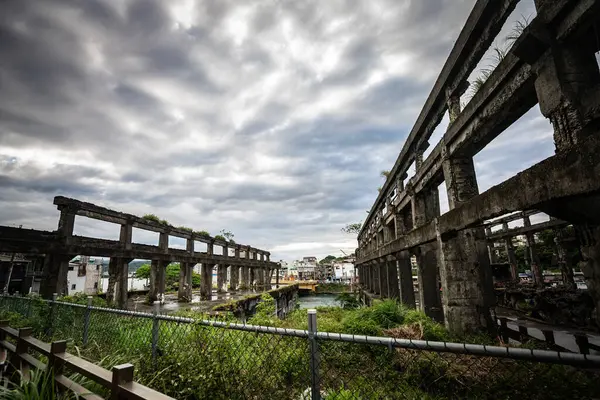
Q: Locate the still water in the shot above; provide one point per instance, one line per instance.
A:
(318, 300)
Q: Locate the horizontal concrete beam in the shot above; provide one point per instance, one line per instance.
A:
(93, 211)
(523, 230)
(510, 218)
(562, 176)
(28, 241)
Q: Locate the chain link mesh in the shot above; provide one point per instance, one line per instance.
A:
(189, 359)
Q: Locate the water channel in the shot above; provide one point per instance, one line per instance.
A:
(171, 305)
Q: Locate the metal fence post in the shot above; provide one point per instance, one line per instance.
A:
(51, 314)
(86, 320)
(314, 355)
(155, 322)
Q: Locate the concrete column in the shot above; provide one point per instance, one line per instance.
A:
(206, 272)
(564, 76)
(370, 278)
(234, 277)
(534, 261)
(157, 280)
(565, 263)
(221, 278)
(252, 280)
(56, 267)
(392, 276)
(277, 278)
(384, 286)
(589, 239)
(407, 290)
(122, 284)
(184, 294)
(465, 272)
(376, 279)
(430, 301)
(512, 258)
(510, 254)
(245, 285)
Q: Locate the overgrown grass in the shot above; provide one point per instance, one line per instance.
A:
(196, 361)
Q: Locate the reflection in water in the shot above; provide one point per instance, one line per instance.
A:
(318, 300)
(171, 305)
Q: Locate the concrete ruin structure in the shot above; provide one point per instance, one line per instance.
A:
(552, 64)
(57, 248)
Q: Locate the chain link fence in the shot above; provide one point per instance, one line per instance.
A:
(202, 359)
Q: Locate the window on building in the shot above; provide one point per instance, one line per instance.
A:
(95, 285)
(73, 287)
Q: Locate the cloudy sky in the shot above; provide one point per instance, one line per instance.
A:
(271, 119)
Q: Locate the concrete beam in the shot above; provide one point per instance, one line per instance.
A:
(523, 230)
(574, 174)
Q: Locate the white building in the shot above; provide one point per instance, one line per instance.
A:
(84, 275)
(343, 271)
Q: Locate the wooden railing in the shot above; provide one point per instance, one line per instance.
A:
(119, 382)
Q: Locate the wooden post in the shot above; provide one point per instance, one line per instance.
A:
(22, 347)
(121, 374)
(504, 329)
(583, 343)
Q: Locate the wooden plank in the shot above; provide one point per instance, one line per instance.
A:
(34, 362)
(11, 331)
(86, 368)
(38, 345)
(76, 388)
(134, 390)
(8, 346)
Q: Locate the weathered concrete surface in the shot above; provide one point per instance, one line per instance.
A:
(157, 280)
(407, 290)
(284, 296)
(221, 278)
(430, 300)
(590, 249)
(234, 278)
(206, 272)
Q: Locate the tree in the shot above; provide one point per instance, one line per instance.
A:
(328, 259)
(385, 174)
(352, 228)
(143, 272)
(227, 234)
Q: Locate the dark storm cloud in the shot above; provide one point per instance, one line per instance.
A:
(270, 119)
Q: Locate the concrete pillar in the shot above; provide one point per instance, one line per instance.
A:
(376, 278)
(277, 278)
(56, 267)
(384, 286)
(407, 290)
(512, 258)
(221, 278)
(564, 76)
(392, 276)
(589, 239)
(206, 279)
(465, 273)
(122, 283)
(184, 294)
(534, 261)
(157, 280)
(252, 278)
(234, 277)
(430, 301)
(245, 272)
(565, 263)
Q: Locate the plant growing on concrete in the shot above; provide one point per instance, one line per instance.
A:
(203, 234)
